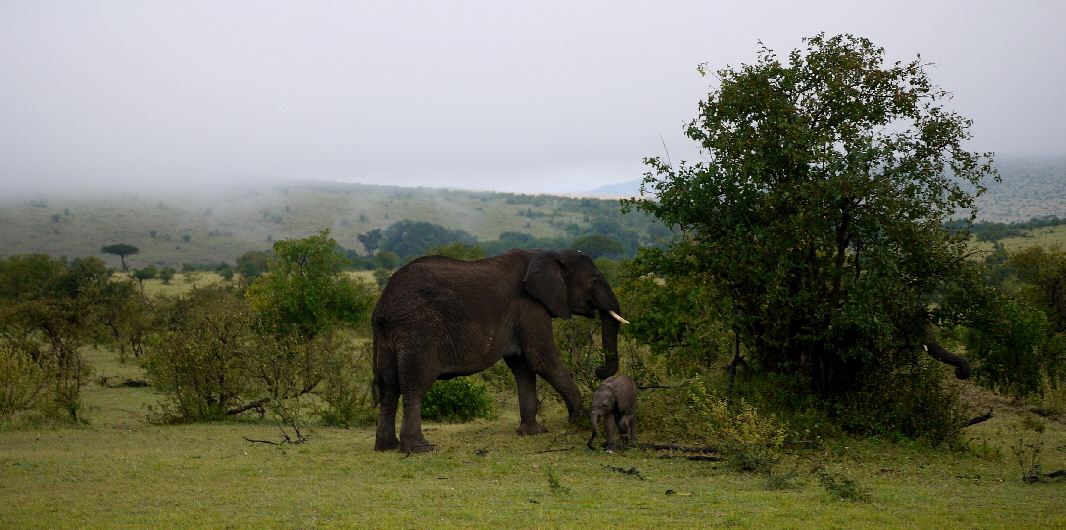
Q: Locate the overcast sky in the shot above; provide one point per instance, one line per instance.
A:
(537, 96)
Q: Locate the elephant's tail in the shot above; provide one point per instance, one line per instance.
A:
(375, 389)
(386, 378)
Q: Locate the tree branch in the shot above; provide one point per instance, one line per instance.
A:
(247, 406)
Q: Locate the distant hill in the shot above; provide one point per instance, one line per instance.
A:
(1031, 188)
(213, 225)
(629, 188)
(218, 225)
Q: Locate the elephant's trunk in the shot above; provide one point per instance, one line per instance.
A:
(594, 419)
(940, 353)
(609, 327)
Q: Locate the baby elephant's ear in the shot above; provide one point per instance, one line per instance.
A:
(546, 281)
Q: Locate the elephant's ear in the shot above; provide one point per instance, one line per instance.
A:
(546, 281)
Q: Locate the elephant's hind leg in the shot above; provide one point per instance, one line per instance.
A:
(411, 438)
(386, 433)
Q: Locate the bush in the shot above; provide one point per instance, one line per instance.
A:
(23, 383)
(458, 400)
(200, 358)
(1012, 348)
(750, 439)
(912, 401)
(348, 403)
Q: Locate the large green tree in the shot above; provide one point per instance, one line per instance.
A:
(818, 207)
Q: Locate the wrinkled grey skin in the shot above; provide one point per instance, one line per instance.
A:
(439, 318)
(616, 401)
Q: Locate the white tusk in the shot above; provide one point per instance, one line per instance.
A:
(617, 316)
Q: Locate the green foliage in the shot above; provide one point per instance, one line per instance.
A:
(1011, 349)
(819, 207)
(409, 238)
(1021, 341)
(349, 403)
(23, 383)
(385, 259)
(371, 240)
(678, 318)
(610, 269)
(199, 356)
(223, 351)
(458, 400)
(49, 309)
(457, 250)
(751, 439)
(304, 293)
(212, 359)
(596, 244)
(145, 273)
(167, 273)
(253, 264)
(1042, 273)
(905, 398)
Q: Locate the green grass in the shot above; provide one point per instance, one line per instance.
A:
(120, 472)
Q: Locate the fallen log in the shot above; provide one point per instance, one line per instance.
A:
(978, 419)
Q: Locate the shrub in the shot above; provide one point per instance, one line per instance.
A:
(1012, 348)
(912, 401)
(458, 400)
(750, 439)
(348, 403)
(199, 359)
(23, 383)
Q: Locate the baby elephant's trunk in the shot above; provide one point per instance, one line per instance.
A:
(595, 420)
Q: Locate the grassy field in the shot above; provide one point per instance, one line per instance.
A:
(201, 227)
(120, 472)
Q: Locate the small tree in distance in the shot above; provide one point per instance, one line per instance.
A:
(121, 250)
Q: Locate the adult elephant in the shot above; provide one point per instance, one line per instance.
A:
(440, 318)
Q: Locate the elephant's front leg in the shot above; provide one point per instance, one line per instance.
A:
(527, 396)
(411, 438)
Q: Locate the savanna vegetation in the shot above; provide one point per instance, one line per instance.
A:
(783, 294)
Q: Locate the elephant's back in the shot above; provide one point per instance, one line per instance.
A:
(435, 286)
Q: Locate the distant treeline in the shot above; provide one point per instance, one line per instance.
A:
(404, 240)
(989, 231)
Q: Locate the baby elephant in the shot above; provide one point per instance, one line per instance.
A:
(616, 401)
